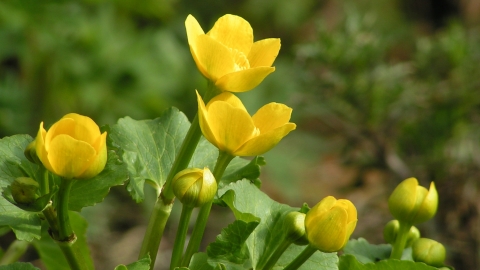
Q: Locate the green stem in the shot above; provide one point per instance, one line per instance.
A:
(51, 217)
(400, 241)
(301, 258)
(16, 249)
(156, 226)
(181, 235)
(44, 183)
(276, 255)
(72, 253)
(65, 232)
(202, 218)
(163, 205)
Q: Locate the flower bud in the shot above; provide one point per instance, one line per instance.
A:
(294, 227)
(31, 153)
(390, 232)
(413, 204)
(73, 147)
(194, 187)
(428, 251)
(24, 190)
(330, 223)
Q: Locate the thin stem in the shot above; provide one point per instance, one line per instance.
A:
(197, 234)
(400, 241)
(156, 226)
(301, 258)
(72, 253)
(163, 205)
(16, 249)
(51, 217)
(44, 183)
(181, 235)
(65, 232)
(276, 254)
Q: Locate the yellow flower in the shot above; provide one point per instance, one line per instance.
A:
(227, 55)
(226, 124)
(73, 147)
(330, 223)
(413, 204)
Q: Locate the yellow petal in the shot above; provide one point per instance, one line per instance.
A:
(69, 157)
(40, 147)
(264, 52)
(321, 207)
(98, 163)
(63, 126)
(212, 58)
(85, 128)
(271, 116)
(230, 98)
(403, 198)
(264, 142)
(243, 80)
(193, 29)
(329, 231)
(350, 207)
(233, 32)
(429, 205)
(203, 122)
(231, 126)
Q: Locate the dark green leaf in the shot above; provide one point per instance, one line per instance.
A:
(239, 169)
(200, 261)
(366, 252)
(19, 266)
(230, 244)
(142, 264)
(348, 262)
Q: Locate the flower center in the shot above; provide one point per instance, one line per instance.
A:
(240, 60)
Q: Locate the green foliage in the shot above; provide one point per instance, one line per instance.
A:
(142, 264)
(348, 262)
(19, 266)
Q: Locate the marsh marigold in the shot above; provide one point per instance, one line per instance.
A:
(330, 223)
(73, 147)
(226, 124)
(227, 55)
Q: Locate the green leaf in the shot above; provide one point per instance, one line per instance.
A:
(348, 262)
(148, 147)
(19, 266)
(240, 169)
(88, 192)
(50, 252)
(269, 233)
(230, 244)
(142, 264)
(13, 164)
(366, 252)
(319, 260)
(201, 261)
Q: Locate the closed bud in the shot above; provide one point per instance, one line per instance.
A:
(390, 233)
(294, 227)
(24, 190)
(194, 187)
(31, 153)
(428, 251)
(330, 223)
(413, 204)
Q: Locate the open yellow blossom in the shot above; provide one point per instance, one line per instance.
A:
(226, 124)
(227, 55)
(73, 147)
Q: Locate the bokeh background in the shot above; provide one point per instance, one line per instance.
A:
(381, 91)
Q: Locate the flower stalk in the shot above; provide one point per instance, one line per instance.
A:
(400, 241)
(301, 258)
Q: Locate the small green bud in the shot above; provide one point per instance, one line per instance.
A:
(294, 227)
(194, 187)
(390, 232)
(31, 153)
(428, 251)
(24, 190)
(413, 204)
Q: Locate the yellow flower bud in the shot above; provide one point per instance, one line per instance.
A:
(226, 124)
(330, 223)
(73, 147)
(294, 228)
(194, 187)
(413, 204)
(24, 190)
(390, 232)
(227, 55)
(428, 251)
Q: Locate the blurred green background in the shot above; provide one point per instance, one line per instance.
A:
(381, 91)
